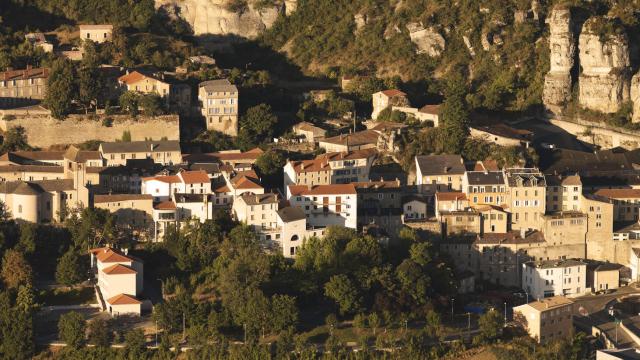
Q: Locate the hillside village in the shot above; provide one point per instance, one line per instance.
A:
(167, 195)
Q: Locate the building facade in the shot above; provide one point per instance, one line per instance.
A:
(219, 105)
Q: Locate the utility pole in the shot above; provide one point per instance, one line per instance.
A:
(469, 324)
(505, 314)
(156, 333)
(452, 300)
(184, 328)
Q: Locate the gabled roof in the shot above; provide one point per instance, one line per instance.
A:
(123, 299)
(165, 205)
(76, 155)
(291, 213)
(28, 73)
(108, 255)
(548, 303)
(140, 146)
(393, 93)
(22, 157)
(96, 27)
(258, 199)
(246, 180)
(430, 109)
(169, 179)
(220, 85)
(440, 164)
(194, 177)
(451, 196)
(136, 76)
(119, 269)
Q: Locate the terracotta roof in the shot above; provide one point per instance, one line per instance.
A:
(246, 180)
(322, 162)
(28, 73)
(512, 237)
(97, 199)
(169, 179)
(430, 109)
(118, 269)
(165, 205)
(133, 77)
(619, 193)
(393, 92)
(451, 196)
(107, 255)
(123, 299)
(194, 177)
(334, 189)
(221, 189)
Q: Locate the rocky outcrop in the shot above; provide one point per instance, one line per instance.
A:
(212, 17)
(557, 83)
(428, 41)
(604, 59)
(635, 97)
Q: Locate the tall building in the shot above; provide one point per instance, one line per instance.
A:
(219, 103)
(547, 319)
(20, 87)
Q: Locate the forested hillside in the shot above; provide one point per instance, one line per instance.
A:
(500, 45)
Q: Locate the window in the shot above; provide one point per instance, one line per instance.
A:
(19, 209)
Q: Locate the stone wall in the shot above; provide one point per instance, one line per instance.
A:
(558, 82)
(600, 135)
(44, 131)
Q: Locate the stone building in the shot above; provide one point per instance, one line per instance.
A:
(176, 95)
(486, 188)
(131, 211)
(547, 320)
(387, 98)
(96, 33)
(23, 87)
(443, 171)
(219, 105)
(527, 189)
(563, 193)
(331, 168)
(165, 152)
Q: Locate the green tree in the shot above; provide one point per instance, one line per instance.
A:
(28, 236)
(129, 101)
(135, 344)
(151, 104)
(15, 139)
(16, 330)
(374, 322)
(345, 293)
(70, 269)
(16, 270)
(256, 126)
(490, 324)
(126, 136)
(284, 312)
(61, 89)
(25, 300)
(269, 163)
(455, 115)
(433, 325)
(100, 333)
(71, 329)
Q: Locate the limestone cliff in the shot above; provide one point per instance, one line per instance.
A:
(212, 17)
(604, 59)
(427, 40)
(557, 83)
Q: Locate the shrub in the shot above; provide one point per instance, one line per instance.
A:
(107, 122)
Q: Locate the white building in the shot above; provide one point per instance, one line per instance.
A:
(548, 278)
(257, 210)
(119, 279)
(331, 168)
(634, 263)
(387, 98)
(326, 205)
(185, 182)
(293, 230)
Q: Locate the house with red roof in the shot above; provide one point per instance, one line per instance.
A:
(388, 98)
(185, 182)
(119, 281)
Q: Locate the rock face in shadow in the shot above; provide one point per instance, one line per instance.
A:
(604, 59)
(213, 17)
(557, 83)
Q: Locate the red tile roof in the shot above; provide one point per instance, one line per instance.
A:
(98, 199)
(123, 299)
(107, 255)
(430, 109)
(118, 269)
(393, 92)
(194, 177)
(619, 193)
(169, 179)
(28, 73)
(165, 205)
(134, 77)
(246, 180)
(334, 189)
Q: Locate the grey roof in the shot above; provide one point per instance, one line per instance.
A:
(35, 187)
(291, 213)
(219, 85)
(26, 189)
(440, 164)
(559, 263)
(524, 179)
(191, 198)
(140, 146)
(485, 178)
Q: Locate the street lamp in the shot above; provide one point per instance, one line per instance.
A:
(452, 300)
(505, 314)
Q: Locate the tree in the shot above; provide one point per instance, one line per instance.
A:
(129, 101)
(374, 322)
(71, 328)
(270, 162)
(284, 312)
(16, 330)
(455, 115)
(28, 236)
(135, 344)
(70, 270)
(61, 89)
(490, 324)
(151, 104)
(433, 325)
(16, 270)
(256, 126)
(100, 333)
(345, 293)
(15, 139)
(25, 300)
(126, 136)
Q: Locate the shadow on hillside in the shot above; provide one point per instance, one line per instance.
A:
(30, 18)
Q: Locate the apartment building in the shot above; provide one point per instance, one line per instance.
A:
(326, 205)
(450, 201)
(331, 168)
(600, 220)
(565, 228)
(445, 172)
(626, 203)
(133, 212)
(22, 87)
(219, 105)
(564, 193)
(527, 190)
(548, 319)
(185, 182)
(257, 210)
(542, 279)
(97, 33)
(380, 203)
(486, 188)
(165, 152)
(119, 280)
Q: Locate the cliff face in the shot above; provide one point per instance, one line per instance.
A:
(557, 83)
(212, 17)
(605, 78)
